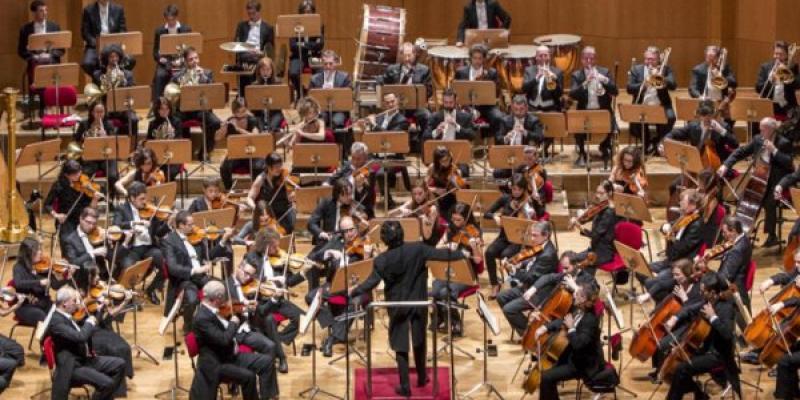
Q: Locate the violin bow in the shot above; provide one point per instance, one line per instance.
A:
(775, 324)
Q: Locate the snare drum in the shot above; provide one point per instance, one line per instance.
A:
(565, 51)
(511, 63)
(444, 61)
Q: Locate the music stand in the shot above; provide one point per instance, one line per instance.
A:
(250, 147)
(130, 42)
(516, 229)
(107, 148)
(554, 126)
(409, 97)
(268, 97)
(298, 26)
(386, 143)
(56, 75)
(203, 98)
(130, 277)
(171, 152)
(171, 44)
(316, 156)
(477, 93)
(489, 321)
(635, 262)
(752, 110)
(506, 157)
(686, 108)
(491, 38)
(335, 99)
(162, 328)
(643, 115)
(38, 153)
(307, 198)
(460, 149)
(357, 273)
(458, 271)
(412, 230)
(164, 193)
(50, 40)
(631, 207)
(306, 321)
(683, 156)
(133, 98)
(222, 218)
(588, 122)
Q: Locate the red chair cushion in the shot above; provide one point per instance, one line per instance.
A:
(548, 191)
(337, 300)
(56, 121)
(191, 344)
(629, 234)
(191, 123)
(66, 96)
(719, 215)
(49, 352)
(278, 317)
(307, 70)
(11, 283)
(751, 275)
(544, 217)
(599, 307)
(242, 170)
(116, 122)
(100, 173)
(468, 292)
(614, 265)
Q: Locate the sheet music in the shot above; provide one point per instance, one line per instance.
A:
(490, 319)
(308, 318)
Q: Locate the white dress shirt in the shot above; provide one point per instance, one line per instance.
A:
(254, 35)
(104, 17)
(192, 252)
(538, 102)
(172, 30)
(85, 240)
(266, 269)
(483, 19)
(40, 27)
(475, 73)
(329, 77)
(779, 94)
(650, 93)
(141, 234)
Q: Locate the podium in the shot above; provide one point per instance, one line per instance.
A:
(643, 115)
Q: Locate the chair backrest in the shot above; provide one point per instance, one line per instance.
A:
(751, 275)
(629, 234)
(67, 96)
(719, 215)
(49, 352)
(11, 283)
(191, 344)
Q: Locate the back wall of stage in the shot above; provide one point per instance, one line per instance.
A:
(620, 29)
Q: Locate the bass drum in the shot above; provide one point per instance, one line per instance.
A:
(444, 61)
(511, 63)
(565, 51)
(383, 31)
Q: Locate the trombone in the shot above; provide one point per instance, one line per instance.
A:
(656, 79)
(783, 72)
(715, 76)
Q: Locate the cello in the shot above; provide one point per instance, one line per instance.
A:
(762, 328)
(645, 340)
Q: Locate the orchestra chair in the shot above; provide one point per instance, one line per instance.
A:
(470, 291)
(782, 218)
(49, 353)
(193, 349)
(17, 323)
(279, 318)
(630, 234)
(63, 98)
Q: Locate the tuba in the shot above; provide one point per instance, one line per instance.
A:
(718, 80)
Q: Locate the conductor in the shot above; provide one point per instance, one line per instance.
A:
(405, 276)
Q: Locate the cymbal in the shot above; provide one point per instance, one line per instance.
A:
(238, 47)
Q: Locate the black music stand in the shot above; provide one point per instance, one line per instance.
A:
(171, 152)
(173, 352)
(458, 271)
(643, 115)
(307, 320)
(387, 143)
(588, 122)
(269, 97)
(489, 321)
(203, 98)
(130, 277)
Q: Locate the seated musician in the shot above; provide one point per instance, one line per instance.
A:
(105, 340)
(28, 282)
(409, 72)
(265, 75)
(212, 190)
(643, 81)
(463, 235)
(392, 121)
(275, 187)
(775, 84)
(329, 212)
(101, 17)
(262, 219)
(311, 128)
(443, 179)
(583, 357)
(604, 219)
(543, 84)
(449, 123)
(79, 250)
(165, 63)
(220, 360)
(361, 172)
(629, 175)
(482, 14)
(532, 170)
(39, 24)
(97, 124)
(718, 349)
(515, 204)
(479, 70)
(256, 32)
(786, 386)
(303, 50)
(193, 74)
(165, 125)
(143, 235)
(74, 360)
(785, 184)
(66, 199)
(423, 206)
(347, 248)
(593, 88)
(188, 264)
(701, 85)
(520, 127)
(12, 355)
(242, 122)
(772, 148)
(331, 78)
(525, 268)
(144, 170)
(111, 75)
(684, 236)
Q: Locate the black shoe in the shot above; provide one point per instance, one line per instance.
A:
(327, 347)
(579, 163)
(750, 357)
(771, 241)
(153, 297)
(283, 366)
(422, 381)
(653, 376)
(403, 390)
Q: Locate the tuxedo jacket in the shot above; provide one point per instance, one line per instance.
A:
(267, 44)
(399, 122)
(581, 94)
(216, 348)
(123, 216)
(323, 219)
(83, 128)
(340, 80)
(24, 34)
(766, 87)
(533, 129)
(693, 133)
(689, 243)
(162, 30)
(71, 347)
(496, 17)
(585, 351)
(530, 85)
(90, 22)
(636, 80)
(735, 261)
(420, 74)
(697, 84)
(74, 250)
(602, 235)
(541, 264)
(780, 162)
(463, 119)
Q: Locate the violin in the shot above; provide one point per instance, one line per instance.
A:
(717, 250)
(264, 289)
(682, 222)
(592, 212)
(294, 261)
(631, 181)
(150, 210)
(211, 232)
(60, 267)
(526, 253)
(155, 178)
(10, 297)
(464, 235)
(97, 236)
(87, 187)
(535, 175)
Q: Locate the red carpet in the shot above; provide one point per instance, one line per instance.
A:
(385, 379)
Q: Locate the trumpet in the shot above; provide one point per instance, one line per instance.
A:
(598, 88)
(549, 78)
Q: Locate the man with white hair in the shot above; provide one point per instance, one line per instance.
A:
(644, 93)
(776, 151)
(74, 360)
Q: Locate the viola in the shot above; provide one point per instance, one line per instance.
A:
(87, 187)
(150, 210)
(682, 222)
(295, 261)
(465, 234)
(535, 175)
(526, 253)
(97, 236)
(264, 289)
(717, 250)
(211, 232)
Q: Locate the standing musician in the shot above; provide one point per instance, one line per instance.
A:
(777, 80)
(362, 175)
(519, 127)
(403, 270)
(629, 174)
(142, 235)
(423, 206)
(79, 248)
(110, 75)
(482, 14)
(593, 88)
(515, 204)
(650, 83)
(219, 359)
(709, 83)
(40, 24)
(604, 219)
(255, 32)
(74, 360)
(330, 211)
(144, 170)
(97, 124)
(583, 358)
(533, 261)
(166, 64)
(330, 78)
(718, 349)
(265, 75)
(462, 235)
(544, 86)
(188, 264)
(775, 151)
(409, 72)
(343, 249)
(67, 197)
(193, 74)
(28, 282)
(303, 50)
(242, 122)
(449, 123)
(101, 17)
(275, 187)
(311, 127)
(478, 70)
(443, 178)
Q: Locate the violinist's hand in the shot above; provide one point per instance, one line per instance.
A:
(44, 282)
(541, 331)
(529, 293)
(291, 196)
(681, 293)
(368, 249)
(278, 279)
(717, 127)
(535, 316)
(778, 192)
(569, 321)
(325, 236)
(618, 188)
(661, 149)
(722, 170)
(92, 320)
(573, 222)
(243, 207)
(100, 251)
(671, 323)
(60, 217)
(708, 311)
(642, 298)
(767, 283)
(773, 309)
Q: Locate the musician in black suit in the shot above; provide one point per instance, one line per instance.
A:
(74, 361)
(365, 186)
(40, 24)
(513, 300)
(602, 231)
(97, 124)
(700, 85)
(409, 72)
(301, 51)
(166, 63)
(449, 123)
(65, 201)
(27, 282)
(402, 268)
(192, 73)
(256, 32)
(12, 356)
(143, 237)
(331, 78)
(519, 127)
(188, 264)
(482, 14)
(101, 17)
(770, 86)
(392, 121)
(639, 77)
(478, 70)
(593, 88)
(736, 260)
(535, 83)
(583, 358)
(110, 70)
(775, 150)
(718, 350)
(325, 218)
(219, 359)
(79, 250)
